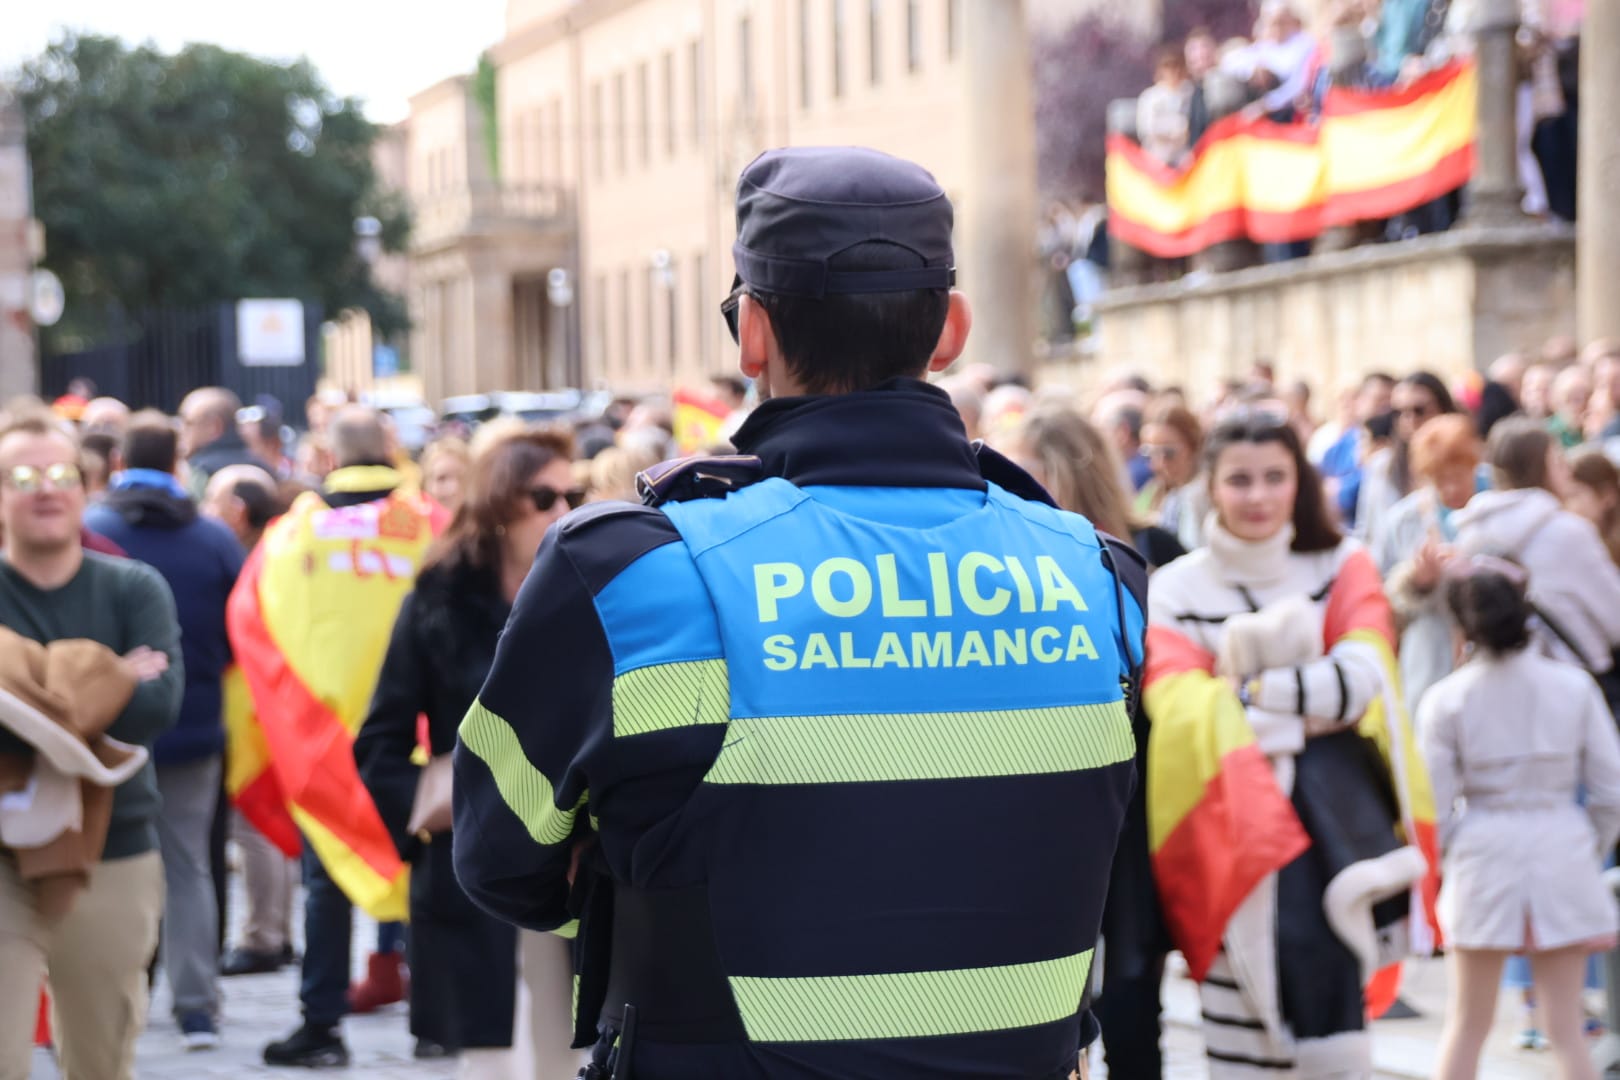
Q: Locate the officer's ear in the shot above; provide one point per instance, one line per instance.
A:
(953, 338)
(756, 337)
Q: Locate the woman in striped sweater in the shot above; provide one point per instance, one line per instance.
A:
(1283, 790)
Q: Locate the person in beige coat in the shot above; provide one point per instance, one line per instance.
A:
(1516, 737)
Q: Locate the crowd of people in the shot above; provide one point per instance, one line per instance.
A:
(1284, 72)
(1486, 512)
(1408, 573)
(133, 530)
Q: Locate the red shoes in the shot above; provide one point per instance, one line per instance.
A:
(387, 981)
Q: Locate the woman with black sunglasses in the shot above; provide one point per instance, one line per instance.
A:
(1387, 475)
(464, 962)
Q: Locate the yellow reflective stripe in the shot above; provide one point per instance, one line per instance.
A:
(664, 696)
(923, 746)
(911, 1005)
(569, 929)
(524, 788)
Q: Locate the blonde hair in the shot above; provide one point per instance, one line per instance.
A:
(1083, 473)
(613, 472)
(448, 446)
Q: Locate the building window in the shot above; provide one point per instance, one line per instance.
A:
(702, 316)
(626, 331)
(557, 171)
(745, 63)
(672, 291)
(913, 36)
(874, 40)
(953, 27)
(621, 123)
(644, 110)
(533, 154)
(694, 63)
(805, 78)
(599, 347)
(671, 113)
(598, 132)
(837, 48)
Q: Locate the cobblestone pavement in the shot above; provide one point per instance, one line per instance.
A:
(260, 1008)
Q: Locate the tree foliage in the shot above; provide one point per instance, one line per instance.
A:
(199, 177)
(484, 91)
(1098, 59)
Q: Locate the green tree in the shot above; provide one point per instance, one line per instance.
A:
(200, 177)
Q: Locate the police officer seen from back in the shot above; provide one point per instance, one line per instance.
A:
(836, 730)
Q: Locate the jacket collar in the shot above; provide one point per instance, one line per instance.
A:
(151, 506)
(901, 433)
(356, 484)
(152, 479)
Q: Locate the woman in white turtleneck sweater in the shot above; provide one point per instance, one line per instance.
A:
(1277, 627)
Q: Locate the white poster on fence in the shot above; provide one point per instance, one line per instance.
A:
(270, 333)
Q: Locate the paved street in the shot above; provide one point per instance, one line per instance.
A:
(260, 1008)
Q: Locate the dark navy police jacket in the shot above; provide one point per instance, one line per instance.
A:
(854, 744)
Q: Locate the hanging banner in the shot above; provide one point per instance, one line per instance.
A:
(1373, 155)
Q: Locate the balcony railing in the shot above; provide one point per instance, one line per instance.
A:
(445, 215)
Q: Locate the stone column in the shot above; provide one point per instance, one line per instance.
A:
(997, 251)
(1494, 192)
(1597, 239)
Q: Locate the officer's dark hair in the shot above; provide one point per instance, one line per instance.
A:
(151, 442)
(1314, 528)
(853, 341)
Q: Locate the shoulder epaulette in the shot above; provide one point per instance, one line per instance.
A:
(698, 478)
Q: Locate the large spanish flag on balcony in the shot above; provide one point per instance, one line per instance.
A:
(309, 621)
(1373, 155)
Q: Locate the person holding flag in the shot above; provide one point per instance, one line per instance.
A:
(309, 622)
(1290, 818)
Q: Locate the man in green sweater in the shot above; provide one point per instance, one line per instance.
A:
(95, 956)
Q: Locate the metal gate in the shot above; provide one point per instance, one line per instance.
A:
(155, 358)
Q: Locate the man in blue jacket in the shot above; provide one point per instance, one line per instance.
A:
(154, 520)
(821, 756)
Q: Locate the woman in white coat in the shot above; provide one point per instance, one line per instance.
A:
(1574, 584)
(1521, 863)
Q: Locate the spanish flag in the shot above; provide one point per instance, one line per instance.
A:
(309, 621)
(250, 781)
(1358, 611)
(1218, 823)
(1373, 155)
(698, 420)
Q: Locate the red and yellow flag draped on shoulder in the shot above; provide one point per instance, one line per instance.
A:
(1218, 823)
(309, 622)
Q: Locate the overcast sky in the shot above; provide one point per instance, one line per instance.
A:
(378, 50)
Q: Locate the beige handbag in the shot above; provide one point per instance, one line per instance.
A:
(430, 810)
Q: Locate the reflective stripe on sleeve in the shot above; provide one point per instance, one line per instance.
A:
(524, 788)
(664, 696)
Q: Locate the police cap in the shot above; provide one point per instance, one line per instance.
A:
(799, 208)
